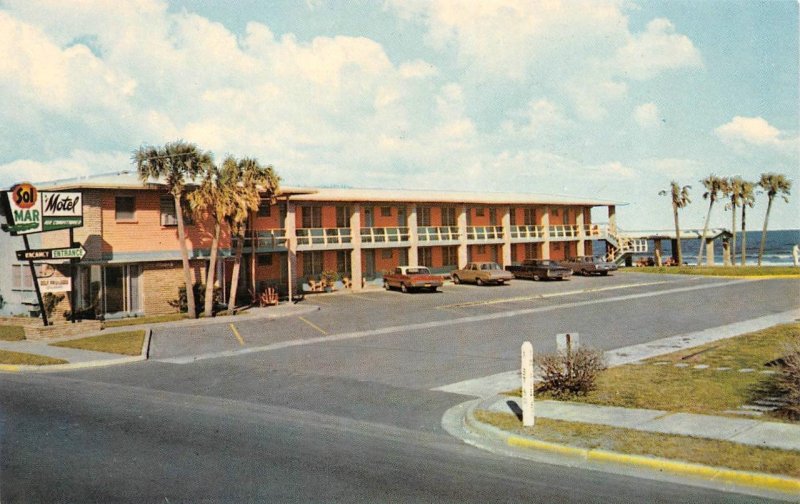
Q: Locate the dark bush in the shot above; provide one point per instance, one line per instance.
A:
(199, 298)
(50, 302)
(570, 373)
(787, 382)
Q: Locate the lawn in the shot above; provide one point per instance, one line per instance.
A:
(658, 384)
(735, 271)
(125, 343)
(155, 319)
(688, 449)
(12, 333)
(26, 359)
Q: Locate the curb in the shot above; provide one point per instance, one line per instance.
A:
(143, 355)
(741, 480)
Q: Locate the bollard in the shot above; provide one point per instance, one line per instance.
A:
(526, 372)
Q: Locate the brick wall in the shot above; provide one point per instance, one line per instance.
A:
(160, 283)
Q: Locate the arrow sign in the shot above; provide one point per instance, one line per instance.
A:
(47, 254)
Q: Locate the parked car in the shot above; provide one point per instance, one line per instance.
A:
(539, 269)
(482, 273)
(408, 278)
(589, 265)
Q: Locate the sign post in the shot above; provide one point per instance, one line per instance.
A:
(526, 372)
(36, 283)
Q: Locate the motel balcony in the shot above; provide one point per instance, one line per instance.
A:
(377, 237)
(437, 235)
(324, 238)
(530, 233)
(485, 234)
(272, 240)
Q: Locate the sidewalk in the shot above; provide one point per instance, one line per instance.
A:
(80, 359)
(737, 430)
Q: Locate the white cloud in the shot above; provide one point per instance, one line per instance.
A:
(752, 130)
(655, 50)
(540, 119)
(78, 163)
(647, 115)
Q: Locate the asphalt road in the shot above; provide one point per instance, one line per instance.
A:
(338, 406)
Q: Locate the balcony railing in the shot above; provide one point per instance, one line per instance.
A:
(323, 236)
(485, 233)
(564, 231)
(271, 239)
(437, 233)
(530, 232)
(384, 234)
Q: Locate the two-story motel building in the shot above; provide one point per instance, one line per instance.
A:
(133, 263)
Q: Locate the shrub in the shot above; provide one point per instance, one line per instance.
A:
(787, 382)
(199, 298)
(571, 373)
(50, 302)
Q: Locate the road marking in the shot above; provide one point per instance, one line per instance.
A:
(315, 326)
(546, 296)
(364, 297)
(238, 336)
(439, 323)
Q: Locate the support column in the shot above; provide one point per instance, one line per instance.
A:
(507, 245)
(355, 255)
(462, 236)
(726, 252)
(546, 226)
(674, 246)
(612, 219)
(659, 251)
(579, 221)
(709, 252)
(413, 235)
(290, 230)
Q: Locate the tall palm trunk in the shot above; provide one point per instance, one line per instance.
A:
(191, 309)
(212, 268)
(705, 232)
(743, 254)
(764, 231)
(678, 235)
(253, 293)
(733, 238)
(237, 264)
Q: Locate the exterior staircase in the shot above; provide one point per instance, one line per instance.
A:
(621, 246)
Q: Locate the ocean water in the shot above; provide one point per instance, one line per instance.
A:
(777, 249)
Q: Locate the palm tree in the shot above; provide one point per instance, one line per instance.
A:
(680, 198)
(175, 162)
(211, 199)
(248, 180)
(733, 190)
(713, 185)
(774, 184)
(748, 199)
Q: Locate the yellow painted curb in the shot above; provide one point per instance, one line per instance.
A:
(9, 368)
(759, 480)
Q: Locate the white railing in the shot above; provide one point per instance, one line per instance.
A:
(437, 233)
(564, 231)
(384, 234)
(485, 233)
(271, 239)
(323, 236)
(530, 232)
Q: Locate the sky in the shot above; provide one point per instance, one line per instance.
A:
(609, 100)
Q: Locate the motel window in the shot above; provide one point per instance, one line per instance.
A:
(125, 208)
(512, 214)
(479, 212)
(265, 208)
(557, 246)
(554, 212)
(167, 207)
(312, 263)
(492, 216)
(531, 250)
(21, 278)
(343, 216)
(449, 256)
(386, 211)
(423, 216)
(449, 216)
(481, 249)
(426, 257)
(387, 254)
(343, 261)
(566, 216)
(312, 217)
(264, 259)
(530, 217)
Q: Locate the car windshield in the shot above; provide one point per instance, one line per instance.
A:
(418, 271)
(490, 266)
(546, 263)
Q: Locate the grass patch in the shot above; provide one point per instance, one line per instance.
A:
(26, 359)
(12, 333)
(125, 343)
(686, 389)
(688, 449)
(737, 271)
(154, 319)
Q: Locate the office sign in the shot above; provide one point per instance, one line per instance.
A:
(31, 211)
(55, 284)
(55, 253)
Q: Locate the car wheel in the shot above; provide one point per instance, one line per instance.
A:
(403, 287)
(386, 285)
(604, 273)
(456, 280)
(479, 281)
(537, 277)
(584, 273)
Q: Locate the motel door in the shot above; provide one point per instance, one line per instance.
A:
(369, 257)
(122, 289)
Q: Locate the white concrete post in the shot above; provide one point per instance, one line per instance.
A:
(709, 252)
(462, 236)
(507, 245)
(290, 231)
(355, 254)
(413, 235)
(526, 372)
(579, 221)
(546, 226)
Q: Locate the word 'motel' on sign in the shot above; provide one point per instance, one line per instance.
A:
(32, 211)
